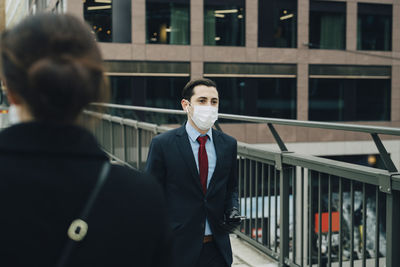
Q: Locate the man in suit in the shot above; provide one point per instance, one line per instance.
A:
(196, 166)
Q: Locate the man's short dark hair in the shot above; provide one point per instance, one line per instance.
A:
(187, 91)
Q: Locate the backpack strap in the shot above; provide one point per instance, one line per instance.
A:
(79, 227)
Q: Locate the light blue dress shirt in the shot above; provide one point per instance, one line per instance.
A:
(211, 155)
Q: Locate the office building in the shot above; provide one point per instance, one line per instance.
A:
(336, 61)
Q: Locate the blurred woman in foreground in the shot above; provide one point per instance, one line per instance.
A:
(50, 167)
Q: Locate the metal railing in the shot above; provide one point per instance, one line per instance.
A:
(301, 210)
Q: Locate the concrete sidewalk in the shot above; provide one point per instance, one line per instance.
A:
(244, 255)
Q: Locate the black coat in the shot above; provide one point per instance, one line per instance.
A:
(172, 162)
(46, 175)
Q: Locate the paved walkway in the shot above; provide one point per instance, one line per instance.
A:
(244, 255)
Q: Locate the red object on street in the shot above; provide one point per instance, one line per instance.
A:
(325, 222)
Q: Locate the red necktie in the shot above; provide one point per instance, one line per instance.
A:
(203, 162)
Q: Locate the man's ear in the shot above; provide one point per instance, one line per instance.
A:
(184, 104)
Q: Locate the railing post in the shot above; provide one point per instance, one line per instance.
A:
(392, 229)
(284, 214)
(112, 150)
(139, 147)
(124, 149)
(103, 133)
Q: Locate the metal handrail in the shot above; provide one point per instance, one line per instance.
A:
(127, 142)
(348, 170)
(287, 122)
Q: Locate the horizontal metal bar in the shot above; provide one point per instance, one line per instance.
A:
(342, 169)
(298, 123)
(258, 154)
(129, 122)
(138, 108)
(315, 76)
(316, 124)
(351, 171)
(222, 75)
(147, 74)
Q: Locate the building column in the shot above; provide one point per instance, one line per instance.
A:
(303, 11)
(196, 39)
(351, 25)
(302, 91)
(138, 11)
(251, 23)
(251, 30)
(395, 96)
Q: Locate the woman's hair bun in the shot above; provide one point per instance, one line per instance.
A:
(55, 83)
(52, 62)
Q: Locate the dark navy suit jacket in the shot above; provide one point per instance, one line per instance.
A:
(172, 162)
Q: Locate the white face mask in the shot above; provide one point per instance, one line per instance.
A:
(204, 116)
(13, 117)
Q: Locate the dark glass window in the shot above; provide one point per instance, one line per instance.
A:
(110, 19)
(374, 31)
(168, 22)
(349, 99)
(224, 22)
(158, 92)
(164, 92)
(277, 23)
(265, 97)
(327, 25)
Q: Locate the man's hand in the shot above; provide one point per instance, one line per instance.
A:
(232, 220)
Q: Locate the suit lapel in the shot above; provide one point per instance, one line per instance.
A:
(187, 154)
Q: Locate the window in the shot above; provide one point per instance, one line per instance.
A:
(164, 92)
(265, 97)
(168, 22)
(374, 31)
(224, 22)
(277, 23)
(349, 99)
(110, 19)
(327, 25)
(158, 92)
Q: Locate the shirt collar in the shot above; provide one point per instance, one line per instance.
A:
(193, 133)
